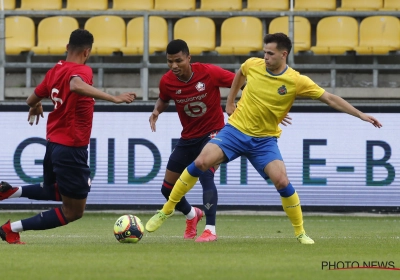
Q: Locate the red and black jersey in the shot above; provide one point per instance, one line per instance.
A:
(198, 101)
(70, 123)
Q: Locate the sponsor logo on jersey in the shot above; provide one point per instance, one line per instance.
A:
(282, 90)
(178, 91)
(190, 99)
(200, 86)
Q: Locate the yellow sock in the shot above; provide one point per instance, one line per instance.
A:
(292, 207)
(184, 184)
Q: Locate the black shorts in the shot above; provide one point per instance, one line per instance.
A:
(67, 166)
(186, 151)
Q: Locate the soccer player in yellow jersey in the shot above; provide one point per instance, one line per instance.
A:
(252, 129)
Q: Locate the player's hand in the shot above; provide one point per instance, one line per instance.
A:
(286, 120)
(230, 108)
(152, 120)
(126, 97)
(370, 119)
(35, 113)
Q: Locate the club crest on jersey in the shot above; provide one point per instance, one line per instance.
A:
(178, 91)
(200, 86)
(282, 90)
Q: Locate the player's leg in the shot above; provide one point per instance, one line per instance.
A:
(213, 153)
(181, 156)
(210, 201)
(33, 191)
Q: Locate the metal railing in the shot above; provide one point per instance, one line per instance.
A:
(145, 64)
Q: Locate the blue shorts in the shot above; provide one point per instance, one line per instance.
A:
(259, 150)
(67, 166)
(186, 151)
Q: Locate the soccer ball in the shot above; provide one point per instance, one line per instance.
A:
(128, 229)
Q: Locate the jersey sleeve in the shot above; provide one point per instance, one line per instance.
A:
(246, 65)
(308, 88)
(163, 95)
(222, 77)
(85, 73)
(41, 89)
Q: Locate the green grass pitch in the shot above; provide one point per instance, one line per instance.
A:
(248, 247)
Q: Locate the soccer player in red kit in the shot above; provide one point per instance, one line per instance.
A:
(65, 171)
(194, 87)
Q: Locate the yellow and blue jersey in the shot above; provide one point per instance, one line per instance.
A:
(267, 98)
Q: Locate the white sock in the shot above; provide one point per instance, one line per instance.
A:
(191, 214)
(17, 226)
(211, 228)
(17, 193)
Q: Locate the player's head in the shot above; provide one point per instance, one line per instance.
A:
(178, 58)
(80, 42)
(277, 47)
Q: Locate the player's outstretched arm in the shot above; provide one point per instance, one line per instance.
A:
(159, 107)
(342, 105)
(78, 86)
(237, 83)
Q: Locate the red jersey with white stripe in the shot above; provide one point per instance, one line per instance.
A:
(70, 123)
(198, 101)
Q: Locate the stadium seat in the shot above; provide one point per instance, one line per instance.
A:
(198, 32)
(267, 5)
(390, 5)
(312, 5)
(9, 4)
(109, 33)
(302, 31)
(41, 5)
(336, 35)
(361, 5)
(175, 5)
(53, 35)
(379, 35)
(20, 34)
(158, 32)
(227, 5)
(240, 36)
(87, 5)
(131, 5)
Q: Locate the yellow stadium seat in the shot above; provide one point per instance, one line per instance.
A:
(53, 35)
(241, 35)
(267, 5)
(379, 35)
(226, 5)
(312, 5)
(131, 5)
(158, 32)
(86, 5)
(198, 32)
(390, 5)
(109, 34)
(9, 4)
(302, 31)
(41, 5)
(175, 5)
(20, 34)
(361, 5)
(336, 35)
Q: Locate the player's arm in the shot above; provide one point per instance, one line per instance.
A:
(159, 107)
(237, 83)
(80, 87)
(36, 109)
(342, 105)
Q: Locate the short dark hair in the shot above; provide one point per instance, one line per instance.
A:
(176, 46)
(282, 41)
(80, 39)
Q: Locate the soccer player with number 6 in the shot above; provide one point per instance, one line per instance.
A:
(65, 171)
